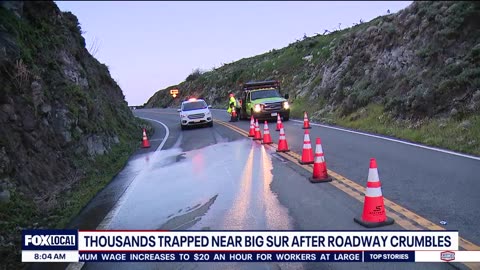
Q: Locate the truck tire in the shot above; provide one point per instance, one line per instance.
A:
(286, 117)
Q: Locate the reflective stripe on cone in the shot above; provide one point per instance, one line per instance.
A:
(258, 135)
(282, 141)
(279, 122)
(306, 123)
(374, 212)
(145, 142)
(320, 174)
(307, 152)
(251, 133)
(267, 139)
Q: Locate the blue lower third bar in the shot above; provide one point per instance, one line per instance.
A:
(389, 256)
(353, 256)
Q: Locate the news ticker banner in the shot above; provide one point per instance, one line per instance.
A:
(243, 246)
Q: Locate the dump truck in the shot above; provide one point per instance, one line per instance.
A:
(263, 100)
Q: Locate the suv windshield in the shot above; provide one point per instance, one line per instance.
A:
(195, 105)
(265, 94)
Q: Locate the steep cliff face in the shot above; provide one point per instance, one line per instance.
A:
(421, 62)
(418, 64)
(59, 108)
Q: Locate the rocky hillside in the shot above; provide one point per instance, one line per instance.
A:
(60, 114)
(403, 74)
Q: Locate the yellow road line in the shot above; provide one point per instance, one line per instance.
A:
(356, 191)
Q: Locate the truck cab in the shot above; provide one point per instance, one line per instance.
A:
(263, 100)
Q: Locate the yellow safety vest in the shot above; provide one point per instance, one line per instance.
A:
(232, 100)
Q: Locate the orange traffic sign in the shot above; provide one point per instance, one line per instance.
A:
(174, 92)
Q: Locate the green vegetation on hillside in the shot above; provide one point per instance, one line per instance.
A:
(457, 134)
(66, 129)
(22, 212)
(420, 66)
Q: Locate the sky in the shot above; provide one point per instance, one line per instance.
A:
(151, 45)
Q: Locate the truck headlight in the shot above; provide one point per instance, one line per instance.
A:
(286, 105)
(257, 108)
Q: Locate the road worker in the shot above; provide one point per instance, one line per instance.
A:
(233, 108)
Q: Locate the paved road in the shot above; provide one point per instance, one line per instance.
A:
(215, 178)
(436, 185)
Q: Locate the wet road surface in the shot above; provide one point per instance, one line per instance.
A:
(436, 185)
(216, 179)
(224, 191)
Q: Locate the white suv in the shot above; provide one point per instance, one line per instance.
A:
(195, 112)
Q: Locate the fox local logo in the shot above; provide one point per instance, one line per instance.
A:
(49, 240)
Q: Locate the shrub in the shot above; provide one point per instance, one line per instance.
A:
(194, 75)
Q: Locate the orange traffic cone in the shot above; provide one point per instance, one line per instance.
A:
(307, 153)
(145, 142)
(267, 139)
(306, 124)
(282, 141)
(320, 174)
(258, 135)
(251, 133)
(279, 122)
(374, 214)
(234, 114)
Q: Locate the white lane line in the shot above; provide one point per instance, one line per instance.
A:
(106, 220)
(387, 139)
(394, 140)
(167, 132)
(384, 138)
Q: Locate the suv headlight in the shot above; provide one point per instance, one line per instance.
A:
(286, 105)
(257, 108)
